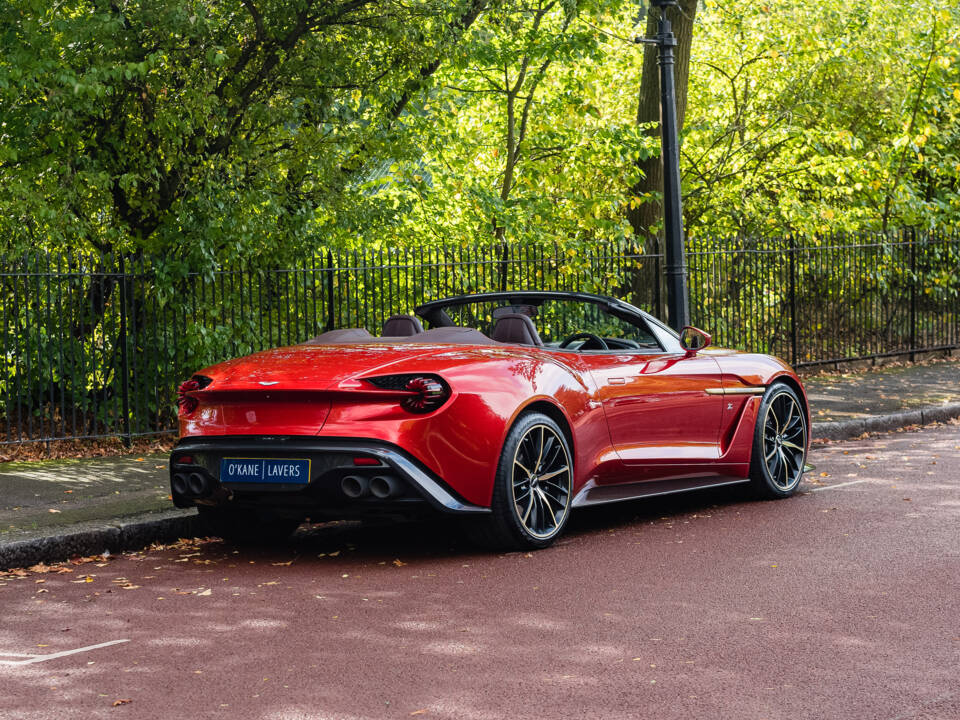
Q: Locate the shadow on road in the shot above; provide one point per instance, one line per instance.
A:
(438, 537)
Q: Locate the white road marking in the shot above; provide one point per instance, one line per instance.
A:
(838, 485)
(43, 658)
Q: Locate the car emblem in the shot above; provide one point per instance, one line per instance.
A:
(270, 382)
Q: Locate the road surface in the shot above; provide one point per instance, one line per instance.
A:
(841, 602)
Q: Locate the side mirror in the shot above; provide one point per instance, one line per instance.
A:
(693, 340)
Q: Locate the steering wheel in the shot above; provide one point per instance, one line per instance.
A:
(587, 337)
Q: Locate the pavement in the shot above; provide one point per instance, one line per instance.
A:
(839, 602)
(50, 510)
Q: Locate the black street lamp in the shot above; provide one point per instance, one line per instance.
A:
(678, 299)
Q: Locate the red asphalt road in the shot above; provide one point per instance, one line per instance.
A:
(841, 602)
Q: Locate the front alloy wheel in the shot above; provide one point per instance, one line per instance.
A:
(780, 443)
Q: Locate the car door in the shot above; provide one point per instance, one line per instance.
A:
(658, 408)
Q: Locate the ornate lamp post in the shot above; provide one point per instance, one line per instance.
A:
(678, 299)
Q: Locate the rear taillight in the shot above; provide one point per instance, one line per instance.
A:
(428, 394)
(423, 393)
(187, 403)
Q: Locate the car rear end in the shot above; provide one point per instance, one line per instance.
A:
(319, 432)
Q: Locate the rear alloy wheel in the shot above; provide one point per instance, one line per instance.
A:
(245, 527)
(779, 443)
(533, 487)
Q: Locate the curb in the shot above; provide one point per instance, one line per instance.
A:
(846, 429)
(130, 533)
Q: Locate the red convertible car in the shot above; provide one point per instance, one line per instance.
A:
(511, 410)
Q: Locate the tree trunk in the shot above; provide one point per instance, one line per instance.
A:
(647, 218)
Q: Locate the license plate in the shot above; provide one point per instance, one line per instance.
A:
(265, 470)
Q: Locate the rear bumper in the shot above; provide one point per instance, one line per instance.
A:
(331, 459)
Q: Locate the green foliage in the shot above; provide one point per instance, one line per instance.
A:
(811, 117)
(208, 133)
(196, 129)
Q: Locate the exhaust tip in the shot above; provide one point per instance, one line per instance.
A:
(197, 484)
(354, 486)
(179, 484)
(384, 486)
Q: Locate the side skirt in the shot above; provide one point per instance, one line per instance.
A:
(600, 495)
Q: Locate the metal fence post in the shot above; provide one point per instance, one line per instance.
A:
(793, 299)
(503, 267)
(329, 290)
(913, 293)
(124, 355)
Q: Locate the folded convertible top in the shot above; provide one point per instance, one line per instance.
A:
(435, 336)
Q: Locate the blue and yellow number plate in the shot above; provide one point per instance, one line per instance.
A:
(291, 471)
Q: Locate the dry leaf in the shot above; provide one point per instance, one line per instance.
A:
(122, 701)
(399, 563)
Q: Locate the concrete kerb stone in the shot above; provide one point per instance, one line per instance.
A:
(846, 429)
(941, 413)
(131, 534)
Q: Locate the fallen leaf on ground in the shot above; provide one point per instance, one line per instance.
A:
(122, 701)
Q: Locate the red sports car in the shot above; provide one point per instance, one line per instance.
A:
(511, 410)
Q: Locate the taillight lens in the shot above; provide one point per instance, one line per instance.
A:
(428, 395)
(425, 393)
(186, 403)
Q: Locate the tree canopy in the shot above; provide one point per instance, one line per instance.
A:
(209, 131)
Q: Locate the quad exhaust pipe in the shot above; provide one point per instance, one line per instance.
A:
(193, 484)
(381, 487)
(384, 486)
(355, 486)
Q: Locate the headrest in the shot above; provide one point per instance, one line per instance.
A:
(516, 329)
(401, 326)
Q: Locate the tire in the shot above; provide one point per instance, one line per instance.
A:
(533, 488)
(244, 527)
(779, 444)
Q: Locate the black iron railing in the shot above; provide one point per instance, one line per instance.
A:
(94, 346)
